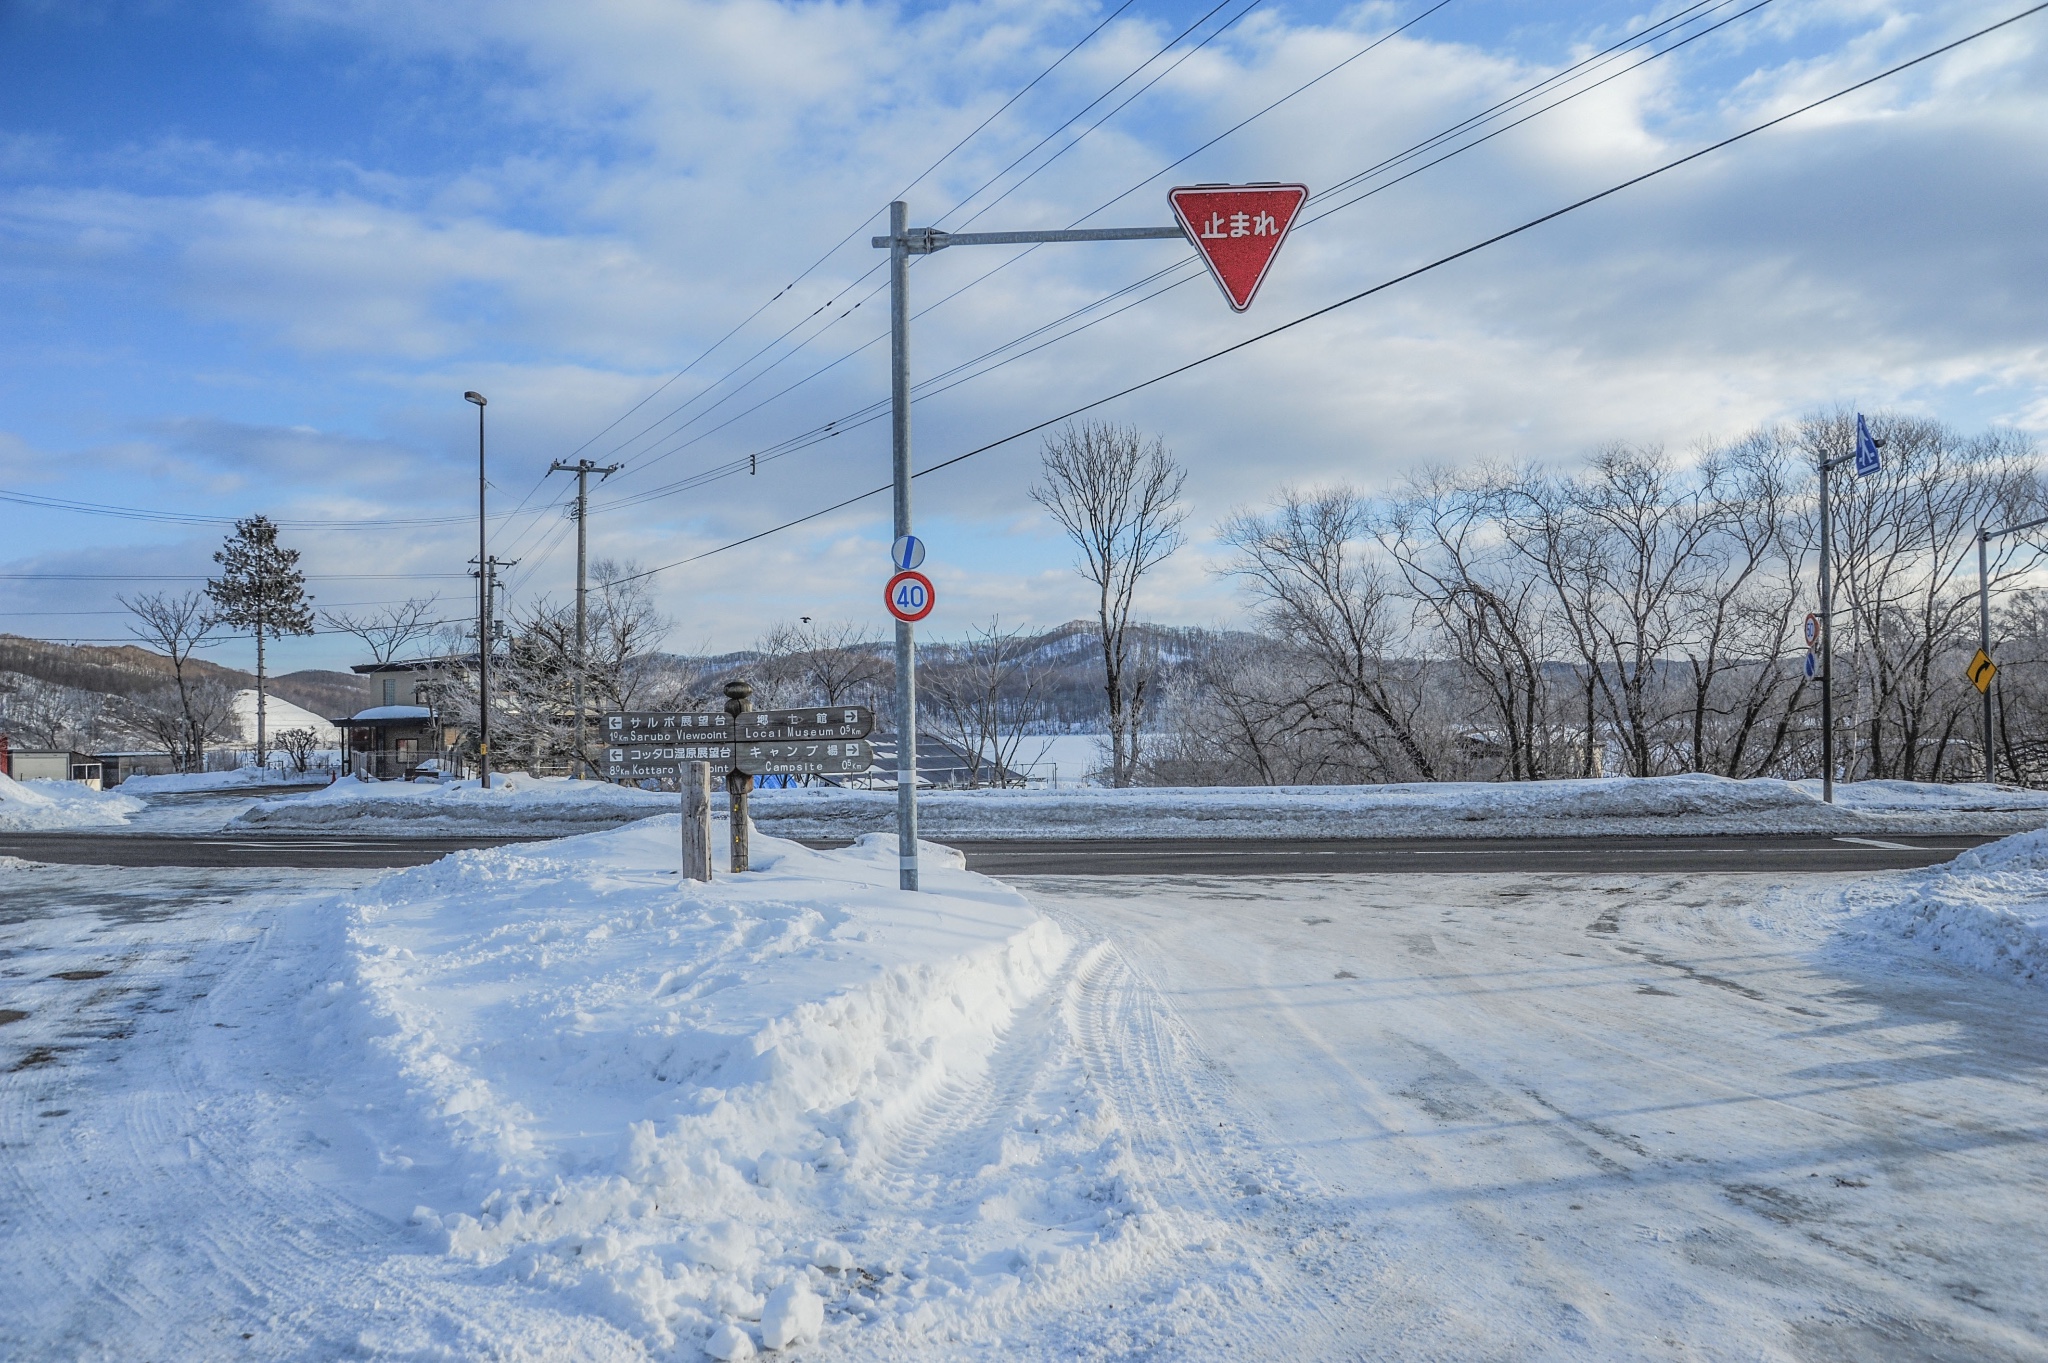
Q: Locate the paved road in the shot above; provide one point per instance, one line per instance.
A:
(1160, 856)
(211, 850)
(1613, 1116)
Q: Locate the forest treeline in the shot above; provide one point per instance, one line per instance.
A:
(1638, 614)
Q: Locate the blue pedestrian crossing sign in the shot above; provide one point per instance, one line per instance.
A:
(907, 553)
(1868, 461)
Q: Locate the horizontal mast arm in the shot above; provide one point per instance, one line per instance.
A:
(924, 240)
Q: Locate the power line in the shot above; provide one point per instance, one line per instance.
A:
(1189, 265)
(657, 457)
(858, 229)
(677, 410)
(1363, 294)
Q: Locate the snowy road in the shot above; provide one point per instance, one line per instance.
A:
(1650, 1117)
(1445, 1117)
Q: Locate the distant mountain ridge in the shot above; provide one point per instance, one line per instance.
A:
(129, 670)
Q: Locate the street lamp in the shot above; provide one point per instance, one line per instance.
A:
(1984, 537)
(1868, 461)
(483, 608)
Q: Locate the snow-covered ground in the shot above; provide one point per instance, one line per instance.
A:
(1677, 804)
(515, 803)
(547, 1102)
(60, 806)
(1987, 909)
(1596, 1117)
(279, 715)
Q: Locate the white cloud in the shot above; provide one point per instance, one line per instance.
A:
(669, 166)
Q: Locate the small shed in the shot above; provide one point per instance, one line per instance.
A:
(55, 764)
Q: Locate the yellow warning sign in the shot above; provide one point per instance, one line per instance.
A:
(1982, 670)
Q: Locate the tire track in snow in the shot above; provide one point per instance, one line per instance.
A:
(1191, 1152)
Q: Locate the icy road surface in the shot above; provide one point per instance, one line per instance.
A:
(1620, 1118)
(1487, 1117)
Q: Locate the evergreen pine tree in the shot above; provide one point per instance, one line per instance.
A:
(260, 589)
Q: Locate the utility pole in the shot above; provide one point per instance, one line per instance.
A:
(483, 608)
(487, 585)
(1864, 453)
(582, 468)
(1984, 538)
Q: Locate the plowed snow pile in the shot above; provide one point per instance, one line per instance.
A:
(715, 1118)
(1465, 809)
(189, 782)
(1987, 909)
(55, 806)
(515, 803)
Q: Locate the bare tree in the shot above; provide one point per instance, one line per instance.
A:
(388, 632)
(1904, 560)
(1482, 604)
(298, 744)
(184, 723)
(803, 663)
(977, 697)
(176, 626)
(1300, 560)
(1117, 495)
(533, 708)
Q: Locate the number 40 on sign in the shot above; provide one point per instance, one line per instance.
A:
(909, 597)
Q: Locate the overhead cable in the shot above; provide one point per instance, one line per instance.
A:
(1366, 293)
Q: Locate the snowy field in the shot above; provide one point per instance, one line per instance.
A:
(1679, 804)
(545, 1102)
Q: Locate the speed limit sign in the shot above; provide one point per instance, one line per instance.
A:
(909, 597)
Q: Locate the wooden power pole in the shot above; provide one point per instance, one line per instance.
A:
(583, 468)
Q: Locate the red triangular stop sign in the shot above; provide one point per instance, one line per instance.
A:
(1238, 229)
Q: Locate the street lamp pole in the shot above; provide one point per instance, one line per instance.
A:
(1863, 453)
(1984, 538)
(483, 608)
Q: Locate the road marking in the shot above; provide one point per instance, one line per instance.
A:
(1889, 846)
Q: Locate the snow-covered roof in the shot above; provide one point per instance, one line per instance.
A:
(390, 712)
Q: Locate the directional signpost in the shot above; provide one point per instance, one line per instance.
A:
(647, 745)
(1236, 228)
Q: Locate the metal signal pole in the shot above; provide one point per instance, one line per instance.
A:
(903, 243)
(483, 608)
(582, 468)
(899, 449)
(1984, 538)
(1864, 455)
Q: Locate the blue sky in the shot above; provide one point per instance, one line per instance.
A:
(251, 254)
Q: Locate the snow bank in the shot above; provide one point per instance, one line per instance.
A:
(722, 1116)
(52, 806)
(179, 783)
(1987, 909)
(515, 803)
(1685, 804)
(1662, 804)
